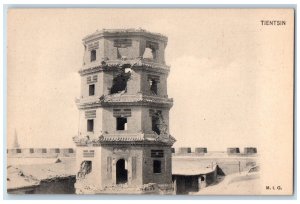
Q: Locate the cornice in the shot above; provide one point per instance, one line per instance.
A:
(133, 139)
(93, 105)
(136, 64)
(107, 33)
(126, 100)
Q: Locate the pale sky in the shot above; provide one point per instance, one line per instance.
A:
(230, 77)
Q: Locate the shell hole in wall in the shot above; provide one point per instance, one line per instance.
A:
(120, 82)
(149, 53)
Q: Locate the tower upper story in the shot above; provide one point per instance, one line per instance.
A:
(124, 86)
(120, 44)
(129, 62)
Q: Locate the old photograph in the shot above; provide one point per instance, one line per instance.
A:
(150, 101)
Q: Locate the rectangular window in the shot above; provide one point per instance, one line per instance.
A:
(153, 86)
(157, 153)
(57, 150)
(44, 150)
(122, 113)
(90, 125)
(156, 166)
(121, 123)
(155, 124)
(93, 55)
(88, 153)
(31, 150)
(93, 46)
(91, 89)
(122, 43)
(90, 114)
(91, 79)
(95, 78)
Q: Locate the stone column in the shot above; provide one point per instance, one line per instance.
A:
(203, 183)
(199, 183)
(175, 185)
(114, 171)
(129, 171)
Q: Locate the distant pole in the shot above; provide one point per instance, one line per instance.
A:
(16, 142)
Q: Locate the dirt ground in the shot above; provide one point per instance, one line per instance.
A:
(234, 184)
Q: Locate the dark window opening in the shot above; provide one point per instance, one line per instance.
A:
(153, 86)
(120, 83)
(90, 125)
(91, 89)
(31, 150)
(202, 178)
(44, 150)
(119, 56)
(57, 150)
(93, 55)
(19, 151)
(156, 166)
(121, 123)
(121, 172)
(156, 124)
(71, 150)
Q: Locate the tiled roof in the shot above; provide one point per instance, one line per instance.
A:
(125, 99)
(124, 138)
(122, 97)
(191, 166)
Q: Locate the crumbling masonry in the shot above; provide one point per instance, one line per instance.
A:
(123, 137)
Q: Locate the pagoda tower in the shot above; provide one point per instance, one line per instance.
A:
(123, 137)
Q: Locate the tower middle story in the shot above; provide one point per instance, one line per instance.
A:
(123, 135)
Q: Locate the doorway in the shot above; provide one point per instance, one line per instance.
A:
(121, 172)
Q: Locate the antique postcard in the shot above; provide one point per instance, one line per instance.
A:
(150, 101)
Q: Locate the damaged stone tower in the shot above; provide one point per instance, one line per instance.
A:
(123, 138)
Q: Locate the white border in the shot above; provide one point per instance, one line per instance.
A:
(174, 3)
